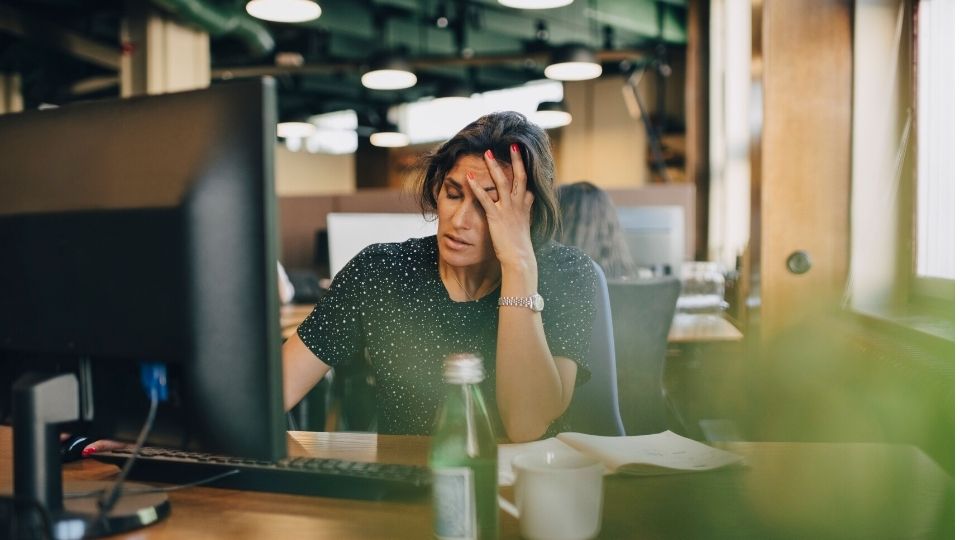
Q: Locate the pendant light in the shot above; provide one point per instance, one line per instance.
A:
(535, 4)
(551, 114)
(387, 135)
(388, 71)
(284, 11)
(573, 62)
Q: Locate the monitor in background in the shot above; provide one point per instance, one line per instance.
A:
(140, 232)
(654, 235)
(349, 233)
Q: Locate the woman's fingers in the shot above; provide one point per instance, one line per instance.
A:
(104, 445)
(499, 179)
(485, 201)
(519, 172)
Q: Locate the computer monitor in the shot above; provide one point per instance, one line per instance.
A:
(144, 230)
(654, 235)
(349, 233)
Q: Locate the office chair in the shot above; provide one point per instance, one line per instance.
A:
(642, 314)
(595, 406)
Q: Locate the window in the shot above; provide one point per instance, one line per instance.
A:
(936, 173)
(903, 164)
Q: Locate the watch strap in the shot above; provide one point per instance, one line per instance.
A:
(534, 302)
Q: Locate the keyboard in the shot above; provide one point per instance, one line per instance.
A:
(296, 475)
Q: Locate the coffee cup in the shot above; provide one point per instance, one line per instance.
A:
(558, 494)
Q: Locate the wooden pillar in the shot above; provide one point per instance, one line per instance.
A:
(11, 99)
(161, 55)
(807, 115)
(372, 165)
(697, 117)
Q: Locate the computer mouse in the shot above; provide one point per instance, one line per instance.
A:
(71, 449)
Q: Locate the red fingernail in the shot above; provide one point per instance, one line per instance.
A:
(470, 175)
(489, 154)
(87, 451)
(514, 148)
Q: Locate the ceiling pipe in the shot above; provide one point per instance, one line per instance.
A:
(219, 22)
(416, 63)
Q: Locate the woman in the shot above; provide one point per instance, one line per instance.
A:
(589, 222)
(409, 305)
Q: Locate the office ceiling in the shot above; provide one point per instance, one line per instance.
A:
(318, 64)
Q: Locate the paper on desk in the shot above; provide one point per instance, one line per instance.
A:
(659, 453)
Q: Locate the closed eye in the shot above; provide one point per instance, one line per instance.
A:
(453, 190)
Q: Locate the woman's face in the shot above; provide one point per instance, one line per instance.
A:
(462, 232)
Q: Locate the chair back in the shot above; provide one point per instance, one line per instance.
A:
(642, 314)
(595, 407)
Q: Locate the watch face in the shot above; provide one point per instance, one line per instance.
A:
(537, 302)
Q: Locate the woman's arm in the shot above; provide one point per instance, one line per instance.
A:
(533, 387)
(302, 370)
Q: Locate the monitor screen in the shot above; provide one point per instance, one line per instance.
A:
(144, 230)
(654, 235)
(349, 233)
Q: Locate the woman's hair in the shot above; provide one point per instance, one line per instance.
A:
(496, 132)
(589, 222)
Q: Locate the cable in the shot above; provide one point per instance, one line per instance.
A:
(109, 498)
(142, 491)
(168, 489)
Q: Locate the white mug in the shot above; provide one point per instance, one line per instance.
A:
(559, 495)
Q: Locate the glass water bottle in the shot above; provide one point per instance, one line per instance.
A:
(463, 457)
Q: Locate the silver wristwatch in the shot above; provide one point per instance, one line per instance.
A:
(534, 302)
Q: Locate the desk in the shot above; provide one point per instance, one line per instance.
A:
(291, 315)
(702, 350)
(702, 327)
(686, 327)
(790, 490)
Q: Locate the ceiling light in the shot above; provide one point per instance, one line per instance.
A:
(389, 139)
(284, 11)
(388, 136)
(535, 4)
(573, 63)
(288, 130)
(551, 114)
(388, 72)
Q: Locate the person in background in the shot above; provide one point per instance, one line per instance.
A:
(284, 284)
(589, 222)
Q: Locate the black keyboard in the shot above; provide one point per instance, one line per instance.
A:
(297, 475)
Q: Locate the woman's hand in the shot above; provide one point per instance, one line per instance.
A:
(74, 447)
(509, 217)
(104, 445)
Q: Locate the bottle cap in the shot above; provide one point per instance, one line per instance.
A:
(463, 368)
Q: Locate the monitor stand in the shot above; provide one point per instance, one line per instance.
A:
(40, 404)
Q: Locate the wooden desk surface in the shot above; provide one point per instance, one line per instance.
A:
(702, 327)
(686, 327)
(789, 490)
(291, 315)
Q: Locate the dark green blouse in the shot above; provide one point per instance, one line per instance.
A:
(389, 300)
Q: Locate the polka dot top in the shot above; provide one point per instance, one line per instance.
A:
(390, 303)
